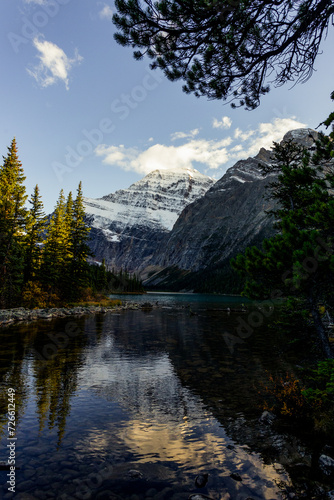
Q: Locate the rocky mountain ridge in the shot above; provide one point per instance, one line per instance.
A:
(179, 227)
(128, 225)
(228, 218)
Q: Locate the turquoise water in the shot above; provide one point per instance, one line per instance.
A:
(197, 300)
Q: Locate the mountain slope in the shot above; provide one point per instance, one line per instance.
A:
(213, 229)
(128, 225)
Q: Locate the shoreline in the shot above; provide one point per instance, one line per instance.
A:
(21, 314)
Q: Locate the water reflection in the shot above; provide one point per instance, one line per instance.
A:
(14, 370)
(159, 393)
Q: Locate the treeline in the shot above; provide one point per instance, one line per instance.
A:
(297, 263)
(103, 279)
(43, 260)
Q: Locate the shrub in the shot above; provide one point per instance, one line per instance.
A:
(34, 296)
(310, 402)
(286, 395)
(321, 380)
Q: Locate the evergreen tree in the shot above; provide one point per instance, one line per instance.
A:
(57, 251)
(79, 246)
(299, 260)
(65, 282)
(69, 213)
(12, 225)
(102, 277)
(226, 49)
(35, 227)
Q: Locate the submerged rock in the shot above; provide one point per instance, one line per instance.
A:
(201, 480)
(326, 465)
(236, 476)
(147, 306)
(199, 496)
(135, 474)
(267, 418)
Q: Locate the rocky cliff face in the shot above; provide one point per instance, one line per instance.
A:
(227, 219)
(175, 224)
(128, 225)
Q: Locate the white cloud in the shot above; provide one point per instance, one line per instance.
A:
(267, 133)
(184, 135)
(236, 148)
(160, 156)
(106, 12)
(212, 154)
(239, 134)
(54, 65)
(117, 155)
(225, 122)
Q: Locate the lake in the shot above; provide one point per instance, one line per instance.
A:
(136, 404)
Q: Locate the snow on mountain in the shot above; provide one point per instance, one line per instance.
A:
(155, 200)
(229, 217)
(142, 213)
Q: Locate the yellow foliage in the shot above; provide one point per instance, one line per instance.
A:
(322, 310)
(287, 392)
(33, 296)
(91, 298)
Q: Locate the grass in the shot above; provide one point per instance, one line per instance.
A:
(105, 302)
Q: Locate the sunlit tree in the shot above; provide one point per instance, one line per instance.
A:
(13, 216)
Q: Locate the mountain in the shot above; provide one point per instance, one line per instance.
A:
(179, 228)
(209, 232)
(127, 226)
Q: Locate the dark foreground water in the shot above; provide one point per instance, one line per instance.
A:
(134, 405)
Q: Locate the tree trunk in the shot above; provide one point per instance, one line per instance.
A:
(319, 327)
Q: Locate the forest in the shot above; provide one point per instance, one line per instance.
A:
(44, 260)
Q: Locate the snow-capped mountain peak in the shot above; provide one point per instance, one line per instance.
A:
(139, 217)
(168, 190)
(156, 199)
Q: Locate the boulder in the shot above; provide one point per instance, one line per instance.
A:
(267, 418)
(326, 465)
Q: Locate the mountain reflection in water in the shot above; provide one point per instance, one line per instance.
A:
(134, 405)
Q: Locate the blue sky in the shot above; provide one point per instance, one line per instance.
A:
(82, 108)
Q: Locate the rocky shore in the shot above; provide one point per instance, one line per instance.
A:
(21, 314)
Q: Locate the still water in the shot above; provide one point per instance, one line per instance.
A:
(135, 404)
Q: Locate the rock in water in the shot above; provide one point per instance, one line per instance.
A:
(236, 476)
(135, 474)
(267, 418)
(199, 496)
(326, 464)
(201, 480)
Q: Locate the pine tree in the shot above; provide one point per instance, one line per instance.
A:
(79, 247)
(102, 278)
(12, 225)
(57, 252)
(226, 49)
(69, 213)
(292, 263)
(35, 227)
